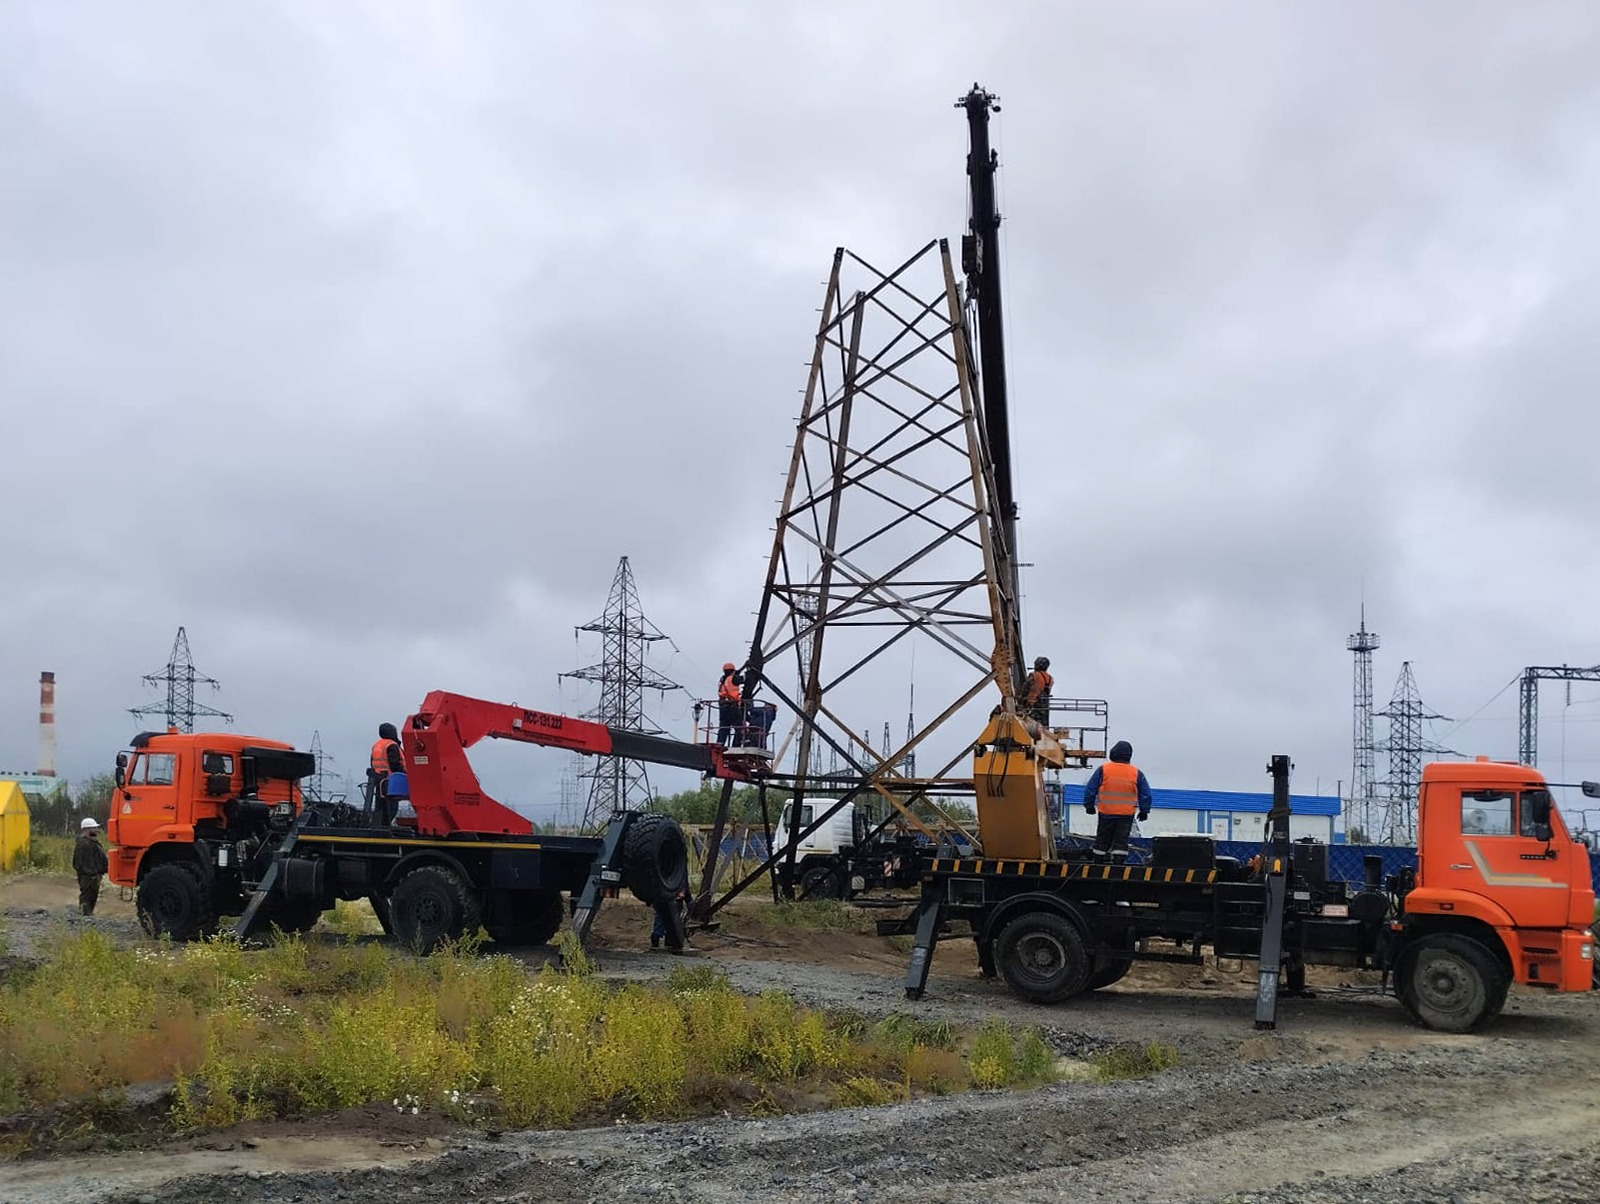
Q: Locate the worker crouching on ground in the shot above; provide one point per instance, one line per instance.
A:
(1036, 692)
(90, 864)
(730, 712)
(1117, 791)
(385, 760)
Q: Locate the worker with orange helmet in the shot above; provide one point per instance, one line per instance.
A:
(730, 710)
(385, 760)
(1117, 791)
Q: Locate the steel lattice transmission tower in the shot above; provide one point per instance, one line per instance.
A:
(1528, 710)
(1364, 810)
(1406, 746)
(317, 785)
(616, 783)
(180, 678)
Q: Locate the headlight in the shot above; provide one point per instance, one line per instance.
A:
(1586, 951)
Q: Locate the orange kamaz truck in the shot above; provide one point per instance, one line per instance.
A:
(1501, 893)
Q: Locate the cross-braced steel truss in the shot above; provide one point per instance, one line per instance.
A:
(887, 539)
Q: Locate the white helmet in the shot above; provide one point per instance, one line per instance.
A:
(88, 823)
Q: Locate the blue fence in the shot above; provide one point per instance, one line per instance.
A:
(1346, 862)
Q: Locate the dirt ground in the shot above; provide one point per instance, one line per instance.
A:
(1346, 1101)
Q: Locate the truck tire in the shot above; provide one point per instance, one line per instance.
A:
(1042, 957)
(173, 903)
(655, 858)
(1452, 983)
(820, 882)
(432, 905)
(534, 916)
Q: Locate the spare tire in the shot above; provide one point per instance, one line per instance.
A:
(655, 858)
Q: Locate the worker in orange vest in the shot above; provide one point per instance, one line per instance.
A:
(730, 713)
(1036, 692)
(385, 760)
(1117, 791)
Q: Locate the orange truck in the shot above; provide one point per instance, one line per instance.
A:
(211, 825)
(1501, 893)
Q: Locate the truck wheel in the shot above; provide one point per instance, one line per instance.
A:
(820, 882)
(1042, 957)
(1451, 983)
(172, 903)
(533, 917)
(432, 905)
(655, 858)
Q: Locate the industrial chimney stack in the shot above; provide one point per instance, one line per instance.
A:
(47, 725)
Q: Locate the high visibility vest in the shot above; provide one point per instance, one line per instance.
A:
(1039, 683)
(1119, 789)
(728, 691)
(380, 756)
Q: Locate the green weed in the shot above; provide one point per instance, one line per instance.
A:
(1003, 1058)
(1134, 1061)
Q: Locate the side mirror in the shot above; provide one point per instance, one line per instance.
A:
(122, 770)
(1541, 812)
(1542, 832)
(1592, 789)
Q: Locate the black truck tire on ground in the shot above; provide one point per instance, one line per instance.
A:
(1042, 957)
(820, 882)
(655, 858)
(172, 903)
(534, 917)
(1452, 983)
(430, 906)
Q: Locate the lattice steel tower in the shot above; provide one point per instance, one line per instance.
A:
(1364, 810)
(615, 783)
(1406, 745)
(180, 677)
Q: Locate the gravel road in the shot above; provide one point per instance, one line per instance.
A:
(1345, 1102)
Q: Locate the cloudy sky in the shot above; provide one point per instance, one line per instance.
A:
(363, 338)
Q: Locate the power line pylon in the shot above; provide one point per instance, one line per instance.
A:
(615, 783)
(1406, 746)
(317, 784)
(1364, 810)
(1528, 711)
(180, 677)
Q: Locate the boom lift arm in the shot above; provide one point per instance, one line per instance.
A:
(445, 791)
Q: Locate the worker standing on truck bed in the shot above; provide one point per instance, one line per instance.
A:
(1036, 692)
(90, 864)
(729, 716)
(1118, 791)
(385, 760)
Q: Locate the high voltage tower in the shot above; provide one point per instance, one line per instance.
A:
(615, 783)
(317, 785)
(180, 677)
(1406, 745)
(1364, 807)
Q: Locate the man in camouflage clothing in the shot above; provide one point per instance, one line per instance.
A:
(90, 864)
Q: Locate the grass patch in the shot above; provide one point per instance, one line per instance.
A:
(816, 915)
(1134, 1061)
(300, 1028)
(47, 854)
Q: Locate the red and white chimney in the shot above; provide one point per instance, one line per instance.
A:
(47, 725)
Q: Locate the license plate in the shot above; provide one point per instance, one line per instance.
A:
(1336, 909)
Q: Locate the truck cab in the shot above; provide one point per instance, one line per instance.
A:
(1497, 864)
(192, 812)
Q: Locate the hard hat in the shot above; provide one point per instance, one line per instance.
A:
(88, 822)
(727, 666)
(1041, 662)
